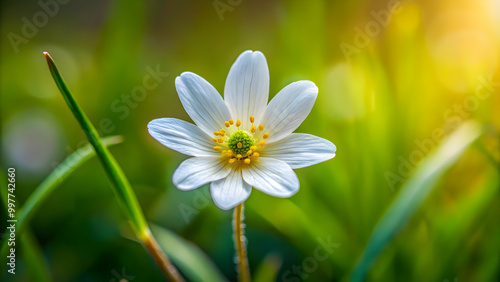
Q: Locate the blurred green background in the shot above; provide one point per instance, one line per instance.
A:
(394, 78)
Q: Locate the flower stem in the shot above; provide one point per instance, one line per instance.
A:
(160, 258)
(239, 242)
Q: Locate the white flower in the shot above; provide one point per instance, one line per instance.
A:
(242, 142)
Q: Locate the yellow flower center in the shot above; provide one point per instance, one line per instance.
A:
(240, 142)
(240, 146)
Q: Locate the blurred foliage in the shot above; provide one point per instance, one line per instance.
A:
(392, 86)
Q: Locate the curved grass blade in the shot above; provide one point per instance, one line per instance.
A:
(122, 188)
(193, 262)
(268, 269)
(414, 192)
(62, 171)
(49, 184)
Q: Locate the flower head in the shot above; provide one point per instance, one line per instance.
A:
(242, 142)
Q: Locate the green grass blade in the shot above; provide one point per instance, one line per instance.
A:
(122, 188)
(49, 184)
(413, 193)
(268, 269)
(193, 262)
(120, 182)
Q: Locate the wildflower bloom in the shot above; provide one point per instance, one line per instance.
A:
(242, 142)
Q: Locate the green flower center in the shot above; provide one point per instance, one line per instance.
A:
(240, 142)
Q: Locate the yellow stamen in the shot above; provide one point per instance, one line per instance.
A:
(239, 145)
(216, 133)
(232, 161)
(238, 156)
(223, 131)
(261, 127)
(238, 123)
(265, 135)
(262, 143)
(231, 122)
(214, 139)
(224, 151)
(252, 119)
(253, 129)
(229, 153)
(226, 123)
(220, 140)
(256, 154)
(247, 161)
(217, 148)
(249, 153)
(254, 148)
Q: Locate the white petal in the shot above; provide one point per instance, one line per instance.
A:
(231, 191)
(288, 109)
(181, 136)
(202, 102)
(300, 150)
(247, 87)
(272, 176)
(195, 172)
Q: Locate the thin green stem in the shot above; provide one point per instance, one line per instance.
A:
(239, 242)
